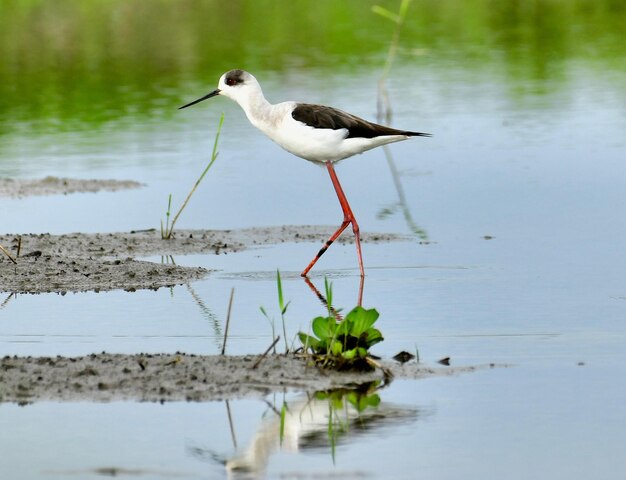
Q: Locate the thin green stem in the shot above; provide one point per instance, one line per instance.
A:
(282, 306)
(383, 105)
(168, 232)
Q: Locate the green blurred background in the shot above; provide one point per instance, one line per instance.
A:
(71, 65)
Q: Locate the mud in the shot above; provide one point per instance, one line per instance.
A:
(180, 377)
(79, 262)
(19, 188)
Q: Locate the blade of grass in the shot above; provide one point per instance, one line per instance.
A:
(271, 322)
(214, 156)
(328, 287)
(383, 12)
(331, 431)
(165, 232)
(283, 413)
(282, 306)
(279, 285)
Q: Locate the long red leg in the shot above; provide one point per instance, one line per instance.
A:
(348, 218)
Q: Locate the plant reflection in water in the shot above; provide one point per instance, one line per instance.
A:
(321, 421)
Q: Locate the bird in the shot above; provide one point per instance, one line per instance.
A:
(317, 133)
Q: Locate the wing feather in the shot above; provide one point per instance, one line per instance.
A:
(320, 116)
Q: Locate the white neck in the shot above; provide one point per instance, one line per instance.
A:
(257, 108)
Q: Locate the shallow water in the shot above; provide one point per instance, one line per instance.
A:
(519, 193)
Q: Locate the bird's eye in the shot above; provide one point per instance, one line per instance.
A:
(230, 82)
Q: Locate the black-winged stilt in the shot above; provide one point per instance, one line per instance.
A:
(317, 133)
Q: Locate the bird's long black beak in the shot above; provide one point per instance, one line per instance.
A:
(212, 94)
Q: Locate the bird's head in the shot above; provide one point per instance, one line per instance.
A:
(234, 84)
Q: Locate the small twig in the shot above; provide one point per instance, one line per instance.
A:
(19, 246)
(387, 373)
(6, 300)
(6, 252)
(230, 306)
(256, 364)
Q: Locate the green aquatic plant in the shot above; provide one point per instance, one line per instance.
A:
(361, 398)
(166, 232)
(282, 306)
(168, 229)
(283, 413)
(328, 288)
(344, 343)
(339, 401)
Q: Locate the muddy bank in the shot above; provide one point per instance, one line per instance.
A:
(18, 187)
(106, 261)
(178, 377)
(41, 273)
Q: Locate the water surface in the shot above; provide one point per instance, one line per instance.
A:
(517, 197)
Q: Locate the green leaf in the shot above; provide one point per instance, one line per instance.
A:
(361, 403)
(311, 342)
(404, 6)
(328, 287)
(283, 413)
(349, 354)
(280, 291)
(383, 12)
(320, 396)
(352, 398)
(284, 310)
(324, 327)
(373, 336)
(343, 328)
(362, 352)
(336, 348)
(336, 403)
(361, 320)
(373, 400)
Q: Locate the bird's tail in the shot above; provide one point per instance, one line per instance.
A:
(416, 134)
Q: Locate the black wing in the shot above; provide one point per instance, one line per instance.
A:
(319, 116)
